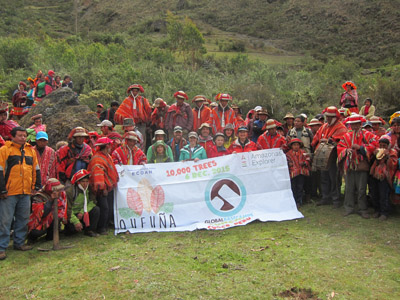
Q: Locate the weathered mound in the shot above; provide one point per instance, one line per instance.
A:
(61, 113)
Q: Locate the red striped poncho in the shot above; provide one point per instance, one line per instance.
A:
(103, 174)
(298, 162)
(138, 109)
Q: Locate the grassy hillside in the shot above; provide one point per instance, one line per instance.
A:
(367, 31)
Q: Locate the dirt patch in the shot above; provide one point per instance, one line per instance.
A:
(296, 293)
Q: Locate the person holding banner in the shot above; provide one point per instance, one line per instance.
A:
(192, 151)
(103, 180)
(218, 148)
(242, 143)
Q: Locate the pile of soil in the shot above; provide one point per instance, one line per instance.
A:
(62, 112)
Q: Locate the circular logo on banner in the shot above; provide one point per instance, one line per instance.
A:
(225, 195)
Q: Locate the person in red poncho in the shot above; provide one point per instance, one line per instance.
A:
(354, 150)
(271, 138)
(382, 173)
(41, 218)
(299, 168)
(103, 180)
(349, 98)
(179, 114)
(6, 125)
(19, 100)
(74, 156)
(136, 107)
(330, 132)
(159, 115)
(201, 113)
(222, 114)
(129, 153)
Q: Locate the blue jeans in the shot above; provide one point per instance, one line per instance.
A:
(20, 207)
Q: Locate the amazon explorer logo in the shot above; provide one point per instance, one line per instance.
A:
(225, 195)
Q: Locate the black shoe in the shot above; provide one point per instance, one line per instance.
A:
(91, 233)
(3, 255)
(103, 232)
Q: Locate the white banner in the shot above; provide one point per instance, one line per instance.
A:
(215, 193)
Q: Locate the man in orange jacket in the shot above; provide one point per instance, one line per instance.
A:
(19, 176)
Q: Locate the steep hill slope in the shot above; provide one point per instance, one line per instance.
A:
(368, 31)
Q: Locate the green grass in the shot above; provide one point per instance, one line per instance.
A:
(352, 257)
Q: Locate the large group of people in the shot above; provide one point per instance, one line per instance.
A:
(339, 144)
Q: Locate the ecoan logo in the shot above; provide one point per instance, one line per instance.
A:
(225, 195)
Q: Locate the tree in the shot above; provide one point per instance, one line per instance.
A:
(185, 38)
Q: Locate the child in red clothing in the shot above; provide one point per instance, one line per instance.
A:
(299, 167)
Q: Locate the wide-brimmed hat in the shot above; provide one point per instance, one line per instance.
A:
(42, 135)
(82, 173)
(351, 83)
(135, 86)
(263, 111)
(270, 124)
(159, 102)
(103, 141)
(39, 116)
(314, 122)
(105, 123)
(257, 108)
(79, 131)
(181, 94)
(213, 104)
(160, 132)
(22, 83)
(193, 134)
(331, 111)
(355, 119)
(288, 116)
(223, 96)
(377, 120)
(128, 122)
(229, 126)
(178, 129)
(131, 135)
(345, 111)
(295, 140)
(199, 98)
(100, 105)
(52, 185)
(204, 125)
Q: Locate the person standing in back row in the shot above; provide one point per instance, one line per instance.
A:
(137, 107)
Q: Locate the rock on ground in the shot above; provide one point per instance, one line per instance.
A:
(61, 113)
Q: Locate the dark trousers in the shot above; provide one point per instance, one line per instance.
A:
(329, 185)
(34, 234)
(315, 179)
(94, 215)
(106, 204)
(297, 184)
(381, 196)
